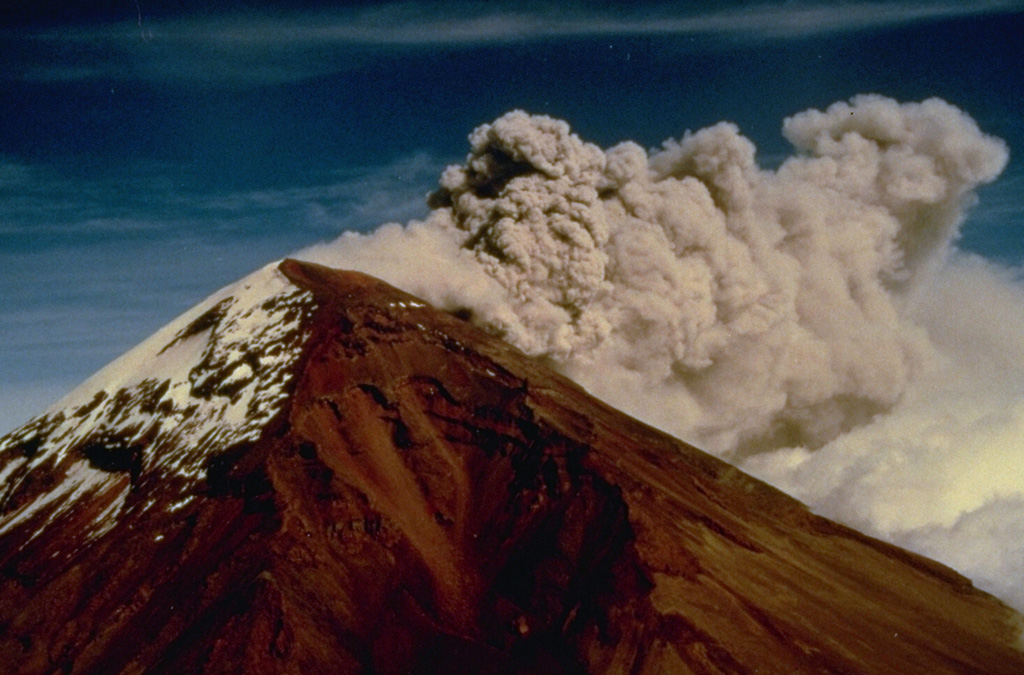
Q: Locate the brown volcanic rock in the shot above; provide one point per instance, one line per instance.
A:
(430, 500)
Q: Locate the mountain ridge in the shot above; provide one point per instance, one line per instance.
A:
(419, 494)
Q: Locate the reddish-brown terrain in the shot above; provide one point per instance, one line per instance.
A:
(430, 500)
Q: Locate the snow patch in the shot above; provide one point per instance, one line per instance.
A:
(81, 479)
(211, 379)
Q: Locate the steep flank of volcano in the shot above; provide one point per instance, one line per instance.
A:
(409, 494)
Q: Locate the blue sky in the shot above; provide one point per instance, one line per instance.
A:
(150, 154)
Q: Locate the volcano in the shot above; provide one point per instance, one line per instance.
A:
(314, 472)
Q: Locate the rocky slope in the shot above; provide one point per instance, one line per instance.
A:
(314, 472)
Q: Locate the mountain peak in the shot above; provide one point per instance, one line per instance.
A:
(211, 379)
(313, 471)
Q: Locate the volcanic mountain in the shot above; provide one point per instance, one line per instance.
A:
(313, 472)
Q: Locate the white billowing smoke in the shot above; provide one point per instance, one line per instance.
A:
(813, 323)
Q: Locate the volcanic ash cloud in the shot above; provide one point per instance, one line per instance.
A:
(814, 324)
(739, 308)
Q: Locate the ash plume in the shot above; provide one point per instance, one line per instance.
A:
(740, 308)
(802, 322)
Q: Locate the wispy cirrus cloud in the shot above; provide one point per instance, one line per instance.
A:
(253, 48)
(413, 24)
(38, 204)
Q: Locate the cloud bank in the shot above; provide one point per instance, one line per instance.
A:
(813, 323)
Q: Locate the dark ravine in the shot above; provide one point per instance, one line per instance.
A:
(431, 500)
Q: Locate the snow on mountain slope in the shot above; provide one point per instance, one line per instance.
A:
(214, 377)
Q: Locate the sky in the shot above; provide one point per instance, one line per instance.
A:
(152, 152)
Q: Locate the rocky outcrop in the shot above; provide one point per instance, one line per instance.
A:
(427, 499)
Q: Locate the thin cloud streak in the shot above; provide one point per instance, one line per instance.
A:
(766, 21)
(35, 202)
(254, 48)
